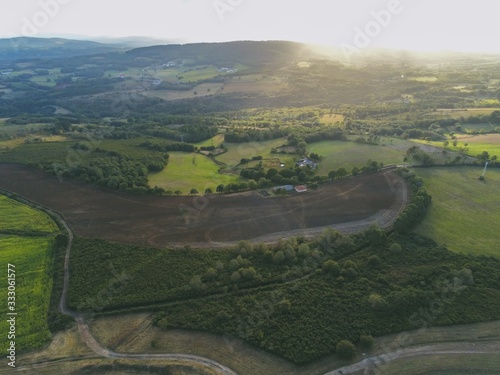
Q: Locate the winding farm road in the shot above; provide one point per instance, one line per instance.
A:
(372, 363)
(385, 219)
(83, 328)
(92, 343)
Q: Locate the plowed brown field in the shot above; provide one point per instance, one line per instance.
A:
(209, 220)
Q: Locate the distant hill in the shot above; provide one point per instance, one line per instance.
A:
(244, 52)
(25, 48)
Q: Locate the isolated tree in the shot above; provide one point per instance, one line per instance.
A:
(193, 191)
(177, 192)
(355, 171)
(345, 349)
(220, 188)
(208, 191)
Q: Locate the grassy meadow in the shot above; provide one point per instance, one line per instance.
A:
(186, 171)
(337, 154)
(476, 144)
(465, 211)
(237, 151)
(20, 217)
(32, 257)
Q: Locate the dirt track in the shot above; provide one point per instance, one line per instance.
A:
(210, 220)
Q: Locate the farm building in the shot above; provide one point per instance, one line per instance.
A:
(300, 188)
(306, 162)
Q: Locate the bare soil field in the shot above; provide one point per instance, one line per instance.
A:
(209, 220)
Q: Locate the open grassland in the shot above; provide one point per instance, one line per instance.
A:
(261, 85)
(331, 118)
(186, 171)
(216, 141)
(237, 151)
(199, 74)
(204, 89)
(476, 144)
(425, 79)
(337, 154)
(465, 212)
(15, 216)
(32, 257)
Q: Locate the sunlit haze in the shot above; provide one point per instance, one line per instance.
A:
(404, 24)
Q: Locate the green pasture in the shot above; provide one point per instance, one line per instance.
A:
(16, 216)
(186, 171)
(340, 154)
(216, 141)
(476, 144)
(465, 212)
(199, 74)
(238, 151)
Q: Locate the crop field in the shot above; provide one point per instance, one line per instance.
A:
(186, 171)
(160, 221)
(337, 154)
(464, 211)
(237, 151)
(32, 258)
(20, 217)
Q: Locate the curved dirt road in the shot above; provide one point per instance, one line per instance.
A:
(371, 363)
(83, 328)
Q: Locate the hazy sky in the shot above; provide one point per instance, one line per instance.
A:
(403, 24)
